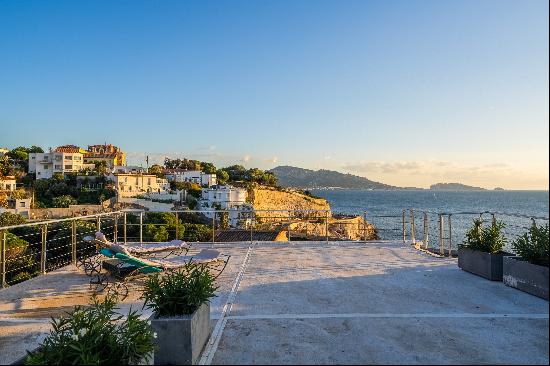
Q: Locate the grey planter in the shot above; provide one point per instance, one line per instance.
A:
(486, 265)
(525, 276)
(180, 340)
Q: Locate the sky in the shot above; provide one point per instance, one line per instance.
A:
(409, 93)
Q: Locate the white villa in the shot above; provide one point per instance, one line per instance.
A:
(62, 160)
(7, 183)
(191, 176)
(132, 185)
(232, 199)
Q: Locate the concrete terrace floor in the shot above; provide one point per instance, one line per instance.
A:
(336, 303)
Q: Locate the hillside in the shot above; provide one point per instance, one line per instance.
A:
(289, 176)
(454, 187)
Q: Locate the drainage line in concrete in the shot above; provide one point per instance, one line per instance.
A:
(212, 345)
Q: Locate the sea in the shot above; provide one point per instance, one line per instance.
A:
(384, 209)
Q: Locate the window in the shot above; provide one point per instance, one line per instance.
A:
(22, 204)
(68, 157)
(148, 181)
(58, 167)
(58, 157)
(68, 167)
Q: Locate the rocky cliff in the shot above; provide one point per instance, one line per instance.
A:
(267, 198)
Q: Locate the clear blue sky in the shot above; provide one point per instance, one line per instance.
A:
(405, 92)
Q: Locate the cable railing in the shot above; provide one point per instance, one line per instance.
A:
(443, 232)
(32, 249)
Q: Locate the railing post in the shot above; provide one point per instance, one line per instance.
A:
(73, 241)
(441, 246)
(412, 227)
(450, 236)
(141, 227)
(426, 230)
(253, 218)
(404, 232)
(214, 227)
(289, 222)
(3, 243)
(124, 227)
(177, 225)
(43, 257)
(115, 231)
(98, 223)
(326, 226)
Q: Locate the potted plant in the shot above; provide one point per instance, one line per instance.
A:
(529, 270)
(96, 335)
(180, 301)
(481, 253)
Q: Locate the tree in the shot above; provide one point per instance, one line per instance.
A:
(156, 170)
(222, 176)
(64, 201)
(208, 168)
(19, 153)
(35, 149)
(101, 166)
(236, 172)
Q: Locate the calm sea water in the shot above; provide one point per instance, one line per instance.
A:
(391, 203)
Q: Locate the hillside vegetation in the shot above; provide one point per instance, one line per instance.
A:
(289, 176)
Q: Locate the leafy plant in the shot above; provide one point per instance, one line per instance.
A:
(95, 335)
(533, 245)
(485, 239)
(179, 292)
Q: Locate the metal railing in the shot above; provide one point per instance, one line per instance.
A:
(32, 249)
(442, 232)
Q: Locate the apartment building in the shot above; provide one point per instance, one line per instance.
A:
(64, 159)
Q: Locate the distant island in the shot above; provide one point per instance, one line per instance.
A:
(499, 189)
(454, 187)
(289, 176)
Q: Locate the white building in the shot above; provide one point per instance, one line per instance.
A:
(225, 196)
(190, 176)
(228, 198)
(132, 185)
(4, 151)
(7, 183)
(45, 165)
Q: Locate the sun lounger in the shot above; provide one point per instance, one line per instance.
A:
(174, 247)
(124, 267)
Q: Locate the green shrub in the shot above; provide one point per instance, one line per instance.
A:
(533, 245)
(485, 239)
(179, 292)
(156, 233)
(95, 335)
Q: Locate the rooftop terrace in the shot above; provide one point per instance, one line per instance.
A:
(321, 303)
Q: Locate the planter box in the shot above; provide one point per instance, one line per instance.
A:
(180, 340)
(525, 276)
(483, 264)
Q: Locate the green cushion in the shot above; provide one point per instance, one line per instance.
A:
(145, 267)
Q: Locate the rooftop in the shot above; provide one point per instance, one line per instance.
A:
(317, 302)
